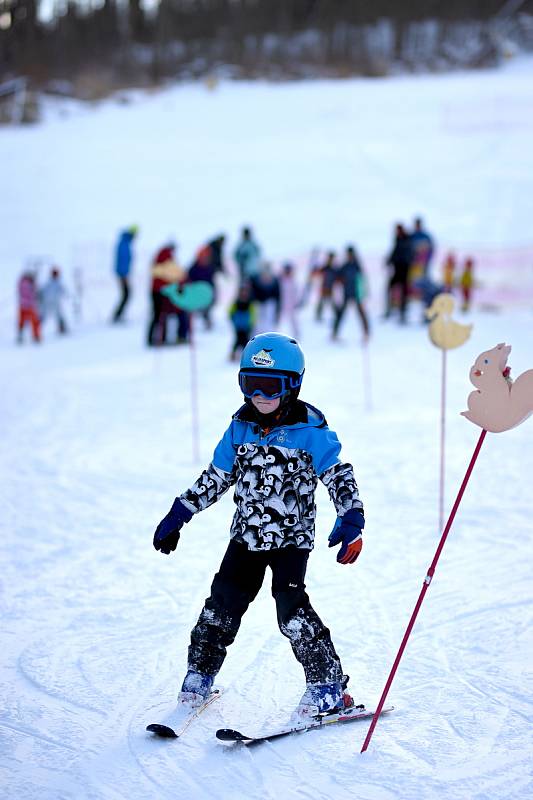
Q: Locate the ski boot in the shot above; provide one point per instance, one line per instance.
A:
(195, 688)
(323, 698)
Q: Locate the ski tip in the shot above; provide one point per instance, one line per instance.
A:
(230, 735)
(162, 730)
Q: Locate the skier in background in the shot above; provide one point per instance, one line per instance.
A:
(203, 269)
(51, 296)
(164, 271)
(400, 260)
(274, 451)
(216, 246)
(351, 279)
(123, 262)
(448, 272)
(427, 289)
(248, 256)
(328, 275)
(422, 250)
(242, 315)
(466, 282)
(266, 294)
(28, 306)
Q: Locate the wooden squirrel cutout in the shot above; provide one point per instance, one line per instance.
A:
(499, 403)
(444, 332)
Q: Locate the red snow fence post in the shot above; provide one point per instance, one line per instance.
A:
(497, 405)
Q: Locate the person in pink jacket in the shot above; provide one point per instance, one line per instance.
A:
(28, 307)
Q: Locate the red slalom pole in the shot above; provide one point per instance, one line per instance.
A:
(427, 581)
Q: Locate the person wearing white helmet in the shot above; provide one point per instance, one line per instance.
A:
(274, 452)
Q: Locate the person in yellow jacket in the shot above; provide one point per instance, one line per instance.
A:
(164, 271)
(448, 272)
(466, 282)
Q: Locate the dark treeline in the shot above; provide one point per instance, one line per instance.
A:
(123, 44)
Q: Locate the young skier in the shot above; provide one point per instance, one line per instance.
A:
(273, 452)
(28, 306)
(242, 316)
(52, 295)
(466, 282)
(351, 278)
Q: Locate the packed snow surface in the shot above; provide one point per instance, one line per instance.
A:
(98, 438)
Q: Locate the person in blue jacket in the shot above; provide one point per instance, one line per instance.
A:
(248, 256)
(351, 278)
(422, 248)
(123, 259)
(273, 453)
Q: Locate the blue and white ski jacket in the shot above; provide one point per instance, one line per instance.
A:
(275, 474)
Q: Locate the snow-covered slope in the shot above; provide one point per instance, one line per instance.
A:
(306, 163)
(97, 442)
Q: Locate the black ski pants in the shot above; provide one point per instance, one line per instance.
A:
(241, 340)
(124, 297)
(157, 329)
(399, 279)
(339, 314)
(236, 585)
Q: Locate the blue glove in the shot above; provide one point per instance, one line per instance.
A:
(167, 533)
(349, 530)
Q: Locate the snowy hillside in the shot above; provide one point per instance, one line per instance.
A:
(97, 442)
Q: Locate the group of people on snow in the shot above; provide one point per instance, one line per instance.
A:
(265, 298)
(409, 262)
(262, 299)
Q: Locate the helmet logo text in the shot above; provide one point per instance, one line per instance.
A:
(263, 359)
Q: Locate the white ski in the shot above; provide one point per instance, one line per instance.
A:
(167, 732)
(320, 721)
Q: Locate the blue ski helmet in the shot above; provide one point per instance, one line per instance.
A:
(275, 358)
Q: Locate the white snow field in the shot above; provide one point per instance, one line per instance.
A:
(97, 441)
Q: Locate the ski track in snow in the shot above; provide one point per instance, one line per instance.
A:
(97, 443)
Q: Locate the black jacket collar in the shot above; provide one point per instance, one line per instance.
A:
(297, 413)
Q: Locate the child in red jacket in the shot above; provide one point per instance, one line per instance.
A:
(28, 307)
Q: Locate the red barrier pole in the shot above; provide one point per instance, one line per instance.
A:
(427, 581)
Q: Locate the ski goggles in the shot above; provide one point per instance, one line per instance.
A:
(270, 385)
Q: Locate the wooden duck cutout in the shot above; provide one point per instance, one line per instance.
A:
(499, 403)
(444, 332)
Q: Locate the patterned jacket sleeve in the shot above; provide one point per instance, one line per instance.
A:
(337, 477)
(216, 479)
(210, 486)
(340, 483)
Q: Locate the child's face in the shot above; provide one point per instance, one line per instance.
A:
(265, 406)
